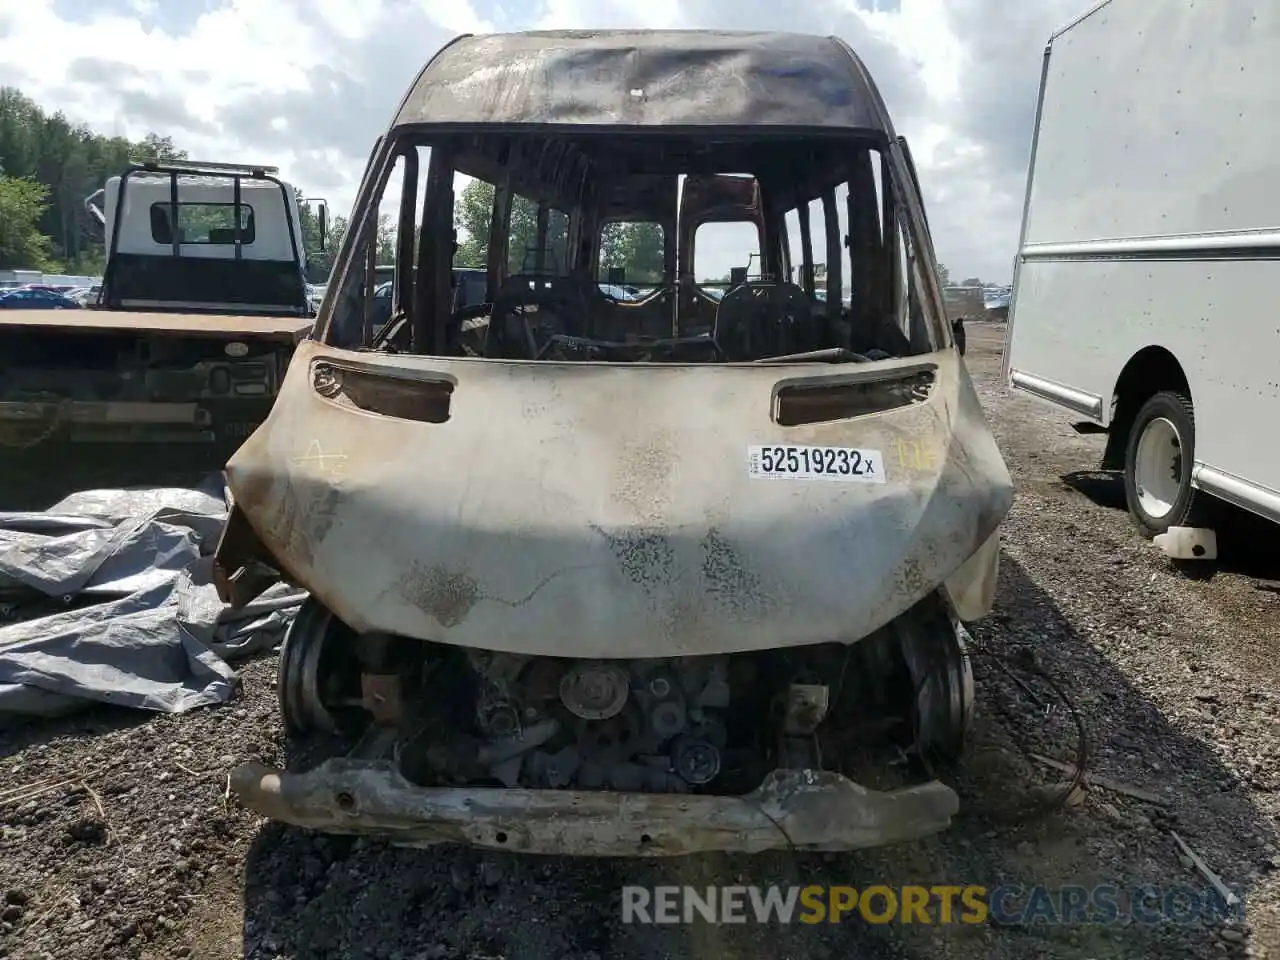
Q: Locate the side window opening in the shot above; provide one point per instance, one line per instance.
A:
(525, 254)
(384, 250)
(472, 216)
(839, 289)
(721, 248)
(909, 317)
(557, 241)
(811, 274)
(631, 259)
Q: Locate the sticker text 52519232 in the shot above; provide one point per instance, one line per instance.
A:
(846, 464)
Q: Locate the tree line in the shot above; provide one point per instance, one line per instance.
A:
(48, 165)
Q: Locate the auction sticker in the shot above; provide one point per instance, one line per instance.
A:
(847, 464)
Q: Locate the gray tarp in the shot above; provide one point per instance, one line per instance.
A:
(137, 621)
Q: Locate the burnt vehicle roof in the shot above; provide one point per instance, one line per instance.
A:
(646, 78)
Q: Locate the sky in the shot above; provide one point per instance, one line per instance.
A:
(307, 85)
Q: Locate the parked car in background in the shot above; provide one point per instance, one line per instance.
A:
(468, 291)
(617, 292)
(36, 298)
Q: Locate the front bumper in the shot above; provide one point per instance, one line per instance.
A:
(803, 809)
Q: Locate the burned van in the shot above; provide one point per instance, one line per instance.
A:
(678, 571)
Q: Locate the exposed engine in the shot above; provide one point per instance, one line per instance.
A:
(454, 716)
(662, 726)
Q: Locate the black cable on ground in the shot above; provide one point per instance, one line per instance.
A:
(1026, 660)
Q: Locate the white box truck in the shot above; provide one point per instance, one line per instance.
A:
(1148, 272)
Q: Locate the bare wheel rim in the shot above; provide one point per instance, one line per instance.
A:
(1157, 468)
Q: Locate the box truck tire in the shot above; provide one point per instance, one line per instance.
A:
(1158, 464)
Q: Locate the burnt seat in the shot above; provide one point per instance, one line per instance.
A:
(528, 310)
(765, 318)
(618, 320)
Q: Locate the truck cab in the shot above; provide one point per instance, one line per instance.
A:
(202, 301)
(202, 237)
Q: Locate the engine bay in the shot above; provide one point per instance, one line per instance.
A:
(452, 716)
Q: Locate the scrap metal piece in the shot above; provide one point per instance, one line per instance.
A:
(808, 810)
(375, 743)
(1228, 897)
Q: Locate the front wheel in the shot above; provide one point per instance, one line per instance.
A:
(1158, 464)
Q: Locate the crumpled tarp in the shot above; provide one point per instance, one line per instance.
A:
(135, 618)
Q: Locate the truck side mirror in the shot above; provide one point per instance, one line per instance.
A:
(322, 219)
(957, 333)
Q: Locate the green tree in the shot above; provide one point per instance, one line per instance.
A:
(471, 217)
(22, 203)
(387, 233)
(71, 161)
(635, 247)
(155, 147)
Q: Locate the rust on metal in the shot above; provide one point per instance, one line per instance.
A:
(803, 810)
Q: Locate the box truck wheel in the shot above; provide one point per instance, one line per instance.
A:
(1158, 462)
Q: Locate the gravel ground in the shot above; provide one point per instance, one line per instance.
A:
(137, 853)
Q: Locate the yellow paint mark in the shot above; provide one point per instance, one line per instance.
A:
(332, 466)
(915, 454)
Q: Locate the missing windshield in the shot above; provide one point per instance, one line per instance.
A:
(637, 249)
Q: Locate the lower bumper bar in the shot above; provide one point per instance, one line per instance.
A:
(804, 809)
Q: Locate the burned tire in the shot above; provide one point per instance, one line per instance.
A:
(1158, 464)
(943, 696)
(299, 677)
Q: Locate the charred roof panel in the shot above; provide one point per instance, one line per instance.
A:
(645, 78)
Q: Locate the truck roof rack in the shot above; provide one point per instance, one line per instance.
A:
(201, 166)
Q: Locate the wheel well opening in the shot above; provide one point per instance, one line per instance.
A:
(1148, 371)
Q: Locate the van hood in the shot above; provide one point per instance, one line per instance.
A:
(615, 510)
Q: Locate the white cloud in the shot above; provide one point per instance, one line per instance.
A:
(308, 84)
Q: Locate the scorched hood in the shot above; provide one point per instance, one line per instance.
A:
(621, 510)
